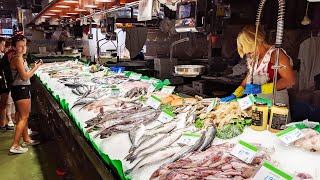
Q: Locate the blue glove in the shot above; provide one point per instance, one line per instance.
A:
(228, 98)
(252, 89)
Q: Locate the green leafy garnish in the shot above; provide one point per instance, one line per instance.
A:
(167, 107)
(199, 123)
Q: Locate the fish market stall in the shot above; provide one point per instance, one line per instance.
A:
(140, 128)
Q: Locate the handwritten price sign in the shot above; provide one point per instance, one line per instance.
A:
(246, 102)
(115, 92)
(269, 172)
(167, 89)
(290, 135)
(165, 116)
(188, 139)
(154, 102)
(244, 151)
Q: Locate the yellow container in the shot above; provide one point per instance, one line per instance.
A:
(278, 118)
(259, 116)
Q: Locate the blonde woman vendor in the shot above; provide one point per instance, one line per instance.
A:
(263, 73)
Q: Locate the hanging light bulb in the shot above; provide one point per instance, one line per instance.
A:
(306, 20)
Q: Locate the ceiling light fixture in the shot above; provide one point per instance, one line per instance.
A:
(65, 16)
(46, 16)
(71, 1)
(80, 10)
(72, 13)
(55, 10)
(63, 6)
(50, 14)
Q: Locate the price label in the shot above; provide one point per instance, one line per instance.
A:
(269, 172)
(151, 88)
(290, 135)
(135, 76)
(189, 139)
(165, 116)
(211, 106)
(154, 102)
(115, 92)
(153, 80)
(244, 151)
(167, 89)
(246, 102)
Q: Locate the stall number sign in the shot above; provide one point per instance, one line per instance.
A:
(269, 172)
(246, 102)
(165, 116)
(244, 151)
(168, 89)
(115, 92)
(154, 102)
(189, 139)
(290, 135)
(152, 87)
(211, 106)
(135, 76)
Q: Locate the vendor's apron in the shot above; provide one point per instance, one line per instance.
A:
(261, 76)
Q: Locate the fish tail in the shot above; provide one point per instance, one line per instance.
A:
(128, 156)
(127, 172)
(133, 158)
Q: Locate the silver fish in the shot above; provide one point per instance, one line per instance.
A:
(163, 128)
(82, 102)
(209, 136)
(144, 144)
(76, 92)
(187, 149)
(136, 133)
(155, 157)
(167, 140)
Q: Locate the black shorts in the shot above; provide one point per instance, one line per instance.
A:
(20, 92)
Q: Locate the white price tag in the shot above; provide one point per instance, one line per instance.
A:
(154, 102)
(269, 172)
(246, 102)
(167, 89)
(115, 92)
(211, 106)
(244, 151)
(189, 139)
(135, 76)
(153, 80)
(290, 135)
(165, 116)
(151, 88)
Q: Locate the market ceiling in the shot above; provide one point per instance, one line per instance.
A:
(72, 9)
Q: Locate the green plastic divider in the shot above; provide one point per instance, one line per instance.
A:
(115, 165)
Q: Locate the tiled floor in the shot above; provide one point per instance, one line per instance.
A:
(36, 164)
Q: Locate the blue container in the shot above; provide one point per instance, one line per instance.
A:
(117, 69)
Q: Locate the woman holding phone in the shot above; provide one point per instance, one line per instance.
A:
(20, 90)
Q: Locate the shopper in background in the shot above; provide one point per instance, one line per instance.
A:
(10, 109)
(262, 84)
(4, 93)
(21, 93)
